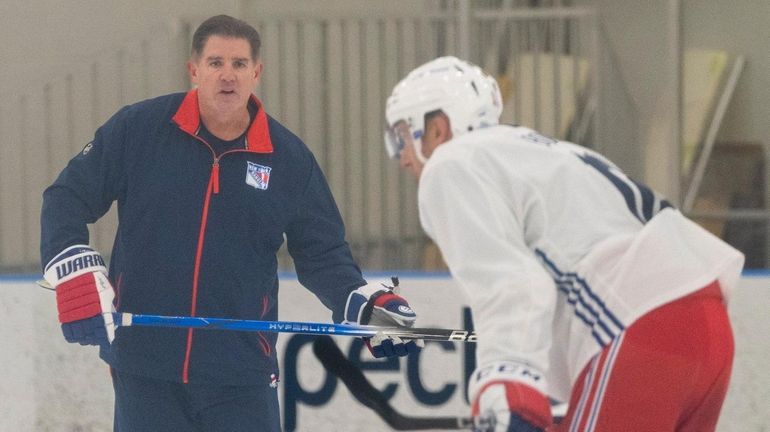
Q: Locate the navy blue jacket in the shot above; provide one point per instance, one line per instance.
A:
(198, 234)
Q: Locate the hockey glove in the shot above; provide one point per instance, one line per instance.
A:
(377, 304)
(83, 295)
(509, 397)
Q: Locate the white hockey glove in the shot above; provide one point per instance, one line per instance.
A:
(509, 397)
(377, 304)
(83, 295)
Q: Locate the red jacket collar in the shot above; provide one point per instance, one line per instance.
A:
(258, 140)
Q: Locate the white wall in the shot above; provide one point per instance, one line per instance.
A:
(738, 27)
(68, 66)
(39, 36)
(637, 75)
(49, 385)
(43, 38)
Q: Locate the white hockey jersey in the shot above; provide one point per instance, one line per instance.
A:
(557, 250)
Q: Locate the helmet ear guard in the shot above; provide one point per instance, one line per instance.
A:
(462, 91)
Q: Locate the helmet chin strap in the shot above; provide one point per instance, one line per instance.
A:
(417, 144)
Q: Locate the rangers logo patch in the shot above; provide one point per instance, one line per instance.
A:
(257, 175)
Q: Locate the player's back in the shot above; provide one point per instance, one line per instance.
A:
(613, 248)
(565, 197)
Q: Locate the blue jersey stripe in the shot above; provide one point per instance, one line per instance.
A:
(588, 306)
(577, 293)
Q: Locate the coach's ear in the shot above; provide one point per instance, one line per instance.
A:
(192, 69)
(257, 71)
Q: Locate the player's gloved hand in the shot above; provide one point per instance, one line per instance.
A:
(377, 304)
(509, 397)
(83, 295)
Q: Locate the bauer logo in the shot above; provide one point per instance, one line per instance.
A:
(257, 175)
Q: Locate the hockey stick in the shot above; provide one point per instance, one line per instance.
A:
(335, 362)
(125, 319)
(429, 334)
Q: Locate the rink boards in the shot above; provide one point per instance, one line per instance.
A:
(49, 385)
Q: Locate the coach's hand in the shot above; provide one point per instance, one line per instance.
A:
(508, 397)
(377, 304)
(83, 295)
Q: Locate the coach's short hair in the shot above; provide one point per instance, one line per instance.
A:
(226, 26)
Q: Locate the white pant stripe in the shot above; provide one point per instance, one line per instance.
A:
(605, 378)
(587, 384)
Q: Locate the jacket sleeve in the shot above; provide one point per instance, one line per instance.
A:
(84, 190)
(480, 231)
(316, 242)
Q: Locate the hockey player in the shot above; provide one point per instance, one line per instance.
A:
(207, 185)
(584, 285)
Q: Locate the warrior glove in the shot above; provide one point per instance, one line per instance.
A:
(84, 295)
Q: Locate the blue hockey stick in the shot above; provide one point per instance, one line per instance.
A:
(125, 319)
(430, 334)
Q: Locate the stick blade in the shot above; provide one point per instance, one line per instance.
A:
(335, 362)
(42, 283)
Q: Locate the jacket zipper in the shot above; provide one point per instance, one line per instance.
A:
(212, 188)
(215, 175)
(196, 270)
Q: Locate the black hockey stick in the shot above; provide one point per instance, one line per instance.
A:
(335, 362)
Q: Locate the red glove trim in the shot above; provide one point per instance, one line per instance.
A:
(78, 287)
(523, 400)
(382, 299)
(78, 299)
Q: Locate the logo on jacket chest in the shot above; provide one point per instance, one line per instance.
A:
(257, 175)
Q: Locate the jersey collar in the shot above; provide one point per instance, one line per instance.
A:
(188, 119)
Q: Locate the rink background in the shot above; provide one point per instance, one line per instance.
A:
(49, 385)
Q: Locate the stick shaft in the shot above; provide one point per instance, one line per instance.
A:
(434, 334)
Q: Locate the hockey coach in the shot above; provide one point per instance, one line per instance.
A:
(207, 187)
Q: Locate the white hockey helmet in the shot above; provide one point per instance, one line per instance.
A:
(469, 97)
